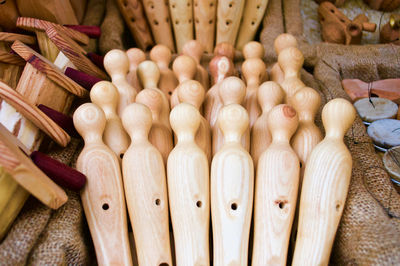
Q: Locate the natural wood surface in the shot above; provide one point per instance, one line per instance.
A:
(132, 11)
(6, 57)
(80, 7)
(116, 63)
(157, 13)
(269, 95)
(34, 114)
(26, 173)
(375, 108)
(146, 189)
(135, 56)
(283, 41)
(49, 69)
(229, 15)
(232, 185)
(105, 95)
(188, 189)
(325, 186)
(8, 15)
(182, 21)
(204, 13)
(11, 37)
(253, 49)
(184, 68)
(225, 49)
(46, 47)
(253, 13)
(195, 49)
(103, 196)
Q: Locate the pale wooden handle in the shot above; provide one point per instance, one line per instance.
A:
(182, 20)
(228, 20)
(204, 17)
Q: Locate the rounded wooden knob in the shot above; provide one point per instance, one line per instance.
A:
(193, 49)
(161, 54)
(185, 119)
(337, 116)
(232, 90)
(306, 102)
(135, 56)
(225, 49)
(282, 122)
(89, 121)
(153, 99)
(137, 120)
(105, 95)
(233, 120)
(191, 91)
(220, 67)
(184, 68)
(148, 74)
(253, 50)
(270, 94)
(116, 62)
(253, 70)
(283, 41)
(291, 60)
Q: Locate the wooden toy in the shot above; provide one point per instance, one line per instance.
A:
(192, 92)
(253, 13)
(391, 162)
(337, 28)
(253, 70)
(116, 63)
(188, 189)
(132, 11)
(135, 56)
(194, 49)
(103, 196)
(158, 17)
(277, 183)
(232, 182)
(185, 68)
(182, 21)
(229, 15)
(204, 12)
(146, 189)
(254, 50)
(105, 95)
(385, 133)
(8, 15)
(325, 185)
(383, 5)
(390, 32)
(225, 49)
(375, 108)
(283, 41)
(269, 95)
(161, 54)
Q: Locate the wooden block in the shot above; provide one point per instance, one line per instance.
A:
(11, 37)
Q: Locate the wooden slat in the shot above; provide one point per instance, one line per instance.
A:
(11, 37)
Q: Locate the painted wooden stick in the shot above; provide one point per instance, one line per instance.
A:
(103, 196)
(326, 182)
(232, 182)
(229, 16)
(185, 68)
(276, 190)
(195, 50)
(182, 21)
(188, 189)
(283, 41)
(204, 12)
(146, 189)
(135, 56)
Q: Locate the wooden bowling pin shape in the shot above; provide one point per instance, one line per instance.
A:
(160, 133)
(291, 61)
(231, 90)
(116, 63)
(105, 95)
(269, 95)
(204, 12)
(283, 41)
(103, 196)
(192, 92)
(325, 185)
(195, 50)
(232, 182)
(135, 56)
(253, 70)
(146, 189)
(188, 189)
(184, 68)
(182, 21)
(229, 16)
(161, 54)
(276, 190)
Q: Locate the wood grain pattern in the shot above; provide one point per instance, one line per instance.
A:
(277, 183)
(326, 182)
(188, 189)
(185, 68)
(49, 69)
(204, 13)
(146, 189)
(229, 15)
(182, 21)
(103, 196)
(232, 183)
(194, 49)
(11, 37)
(283, 41)
(46, 47)
(6, 57)
(136, 56)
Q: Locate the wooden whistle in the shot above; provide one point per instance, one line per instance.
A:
(229, 15)
(283, 41)
(325, 185)
(269, 95)
(188, 189)
(277, 182)
(105, 95)
(135, 56)
(146, 189)
(116, 63)
(194, 49)
(161, 54)
(232, 182)
(185, 68)
(103, 196)
(182, 21)
(204, 12)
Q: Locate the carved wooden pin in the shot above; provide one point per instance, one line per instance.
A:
(136, 56)
(185, 68)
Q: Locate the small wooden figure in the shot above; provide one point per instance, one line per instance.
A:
(204, 12)
(182, 21)
(283, 41)
(135, 56)
(185, 68)
(254, 50)
(195, 50)
(225, 49)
